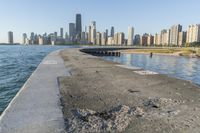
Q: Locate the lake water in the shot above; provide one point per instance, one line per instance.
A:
(16, 65)
(174, 66)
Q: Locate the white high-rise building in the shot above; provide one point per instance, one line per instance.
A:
(157, 39)
(130, 36)
(174, 34)
(111, 41)
(193, 33)
(165, 37)
(93, 32)
(103, 38)
(98, 38)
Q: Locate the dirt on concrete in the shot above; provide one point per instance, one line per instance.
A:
(100, 96)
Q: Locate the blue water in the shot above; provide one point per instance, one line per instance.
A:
(174, 66)
(16, 65)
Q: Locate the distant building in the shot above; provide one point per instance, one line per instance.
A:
(157, 40)
(143, 40)
(119, 38)
(165, 37)
(137, 39)
(193, 33)
(41, 40)
(89, 34)
(78, 26)
(182, 38)
(111, 41)
(72, 31)
(61, 33)
(10, 37)
(56, 34)
(112, 32)
(103, 38)
(130, 36)
(150, 40)
(174, 34)
(93, 32)
(24, 39)
(32, 38)
(116, 39)
(98, 38)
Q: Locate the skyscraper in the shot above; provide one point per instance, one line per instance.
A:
(98, 38)
(182, 38)
(89, 34)
(103, 38)
(24, 38)
(150, 40)
(72, 31)
(61, 32)
(193, 33)
(157, 39)
(93, 32)
(112, 32)
(78, 25)
(174, 34)
(10, 37)
(130, 36)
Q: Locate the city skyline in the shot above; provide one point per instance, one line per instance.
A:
(22, 17)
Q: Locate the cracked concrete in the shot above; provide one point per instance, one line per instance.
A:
(173, 103)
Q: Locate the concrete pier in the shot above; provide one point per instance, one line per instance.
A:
(145, 101)
(36, 108)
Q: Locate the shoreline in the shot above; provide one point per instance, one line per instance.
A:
(164, 54)
(156, 101)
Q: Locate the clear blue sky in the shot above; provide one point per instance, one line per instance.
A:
(48, 16)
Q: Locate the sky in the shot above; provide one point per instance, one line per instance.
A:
(146, 16)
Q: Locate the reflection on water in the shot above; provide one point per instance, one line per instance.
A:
(180, 67)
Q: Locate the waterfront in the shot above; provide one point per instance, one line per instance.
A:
(174, 66)
(16, 65)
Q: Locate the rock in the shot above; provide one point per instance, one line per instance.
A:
(159, 102)
(114, 120)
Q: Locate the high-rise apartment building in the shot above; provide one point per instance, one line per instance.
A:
(10, 37)
(143, 40)
(174, 34)
(120, 38)
(103, 38)
(93, 32)
(165, 37)
(193, 33)
(150, 40)
(98, 38)
(157, 40)
(182, 38)
(130, 36)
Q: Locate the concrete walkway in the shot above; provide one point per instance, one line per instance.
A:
(36, 108)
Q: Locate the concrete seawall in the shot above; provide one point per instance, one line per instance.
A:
(36, 107)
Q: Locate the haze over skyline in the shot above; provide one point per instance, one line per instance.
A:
(41, 16)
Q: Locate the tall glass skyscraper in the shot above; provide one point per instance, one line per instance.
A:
(112, 32)
(10, 37)
(78, 25)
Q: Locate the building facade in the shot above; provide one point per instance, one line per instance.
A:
(130, 36)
